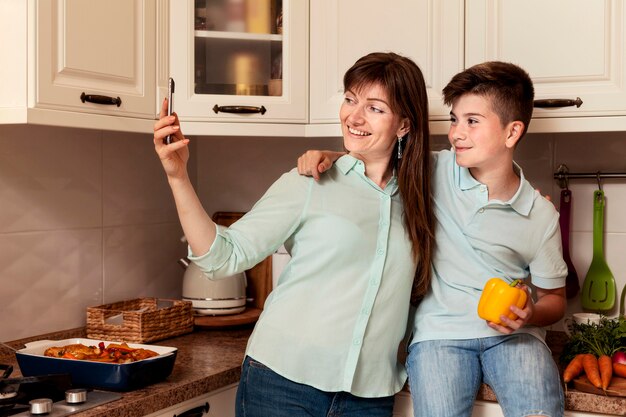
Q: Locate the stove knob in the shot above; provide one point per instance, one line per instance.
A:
(76, 396)
(40, 406)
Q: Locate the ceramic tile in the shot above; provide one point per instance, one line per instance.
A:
(135, 188)
(49, 278)
(141, 261)
(234, 172)
(582, 206)
(534, 154)
(590, 152)
(50, 178)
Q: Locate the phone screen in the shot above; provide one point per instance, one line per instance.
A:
(170, 104)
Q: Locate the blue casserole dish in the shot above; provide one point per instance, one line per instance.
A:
(101, 375)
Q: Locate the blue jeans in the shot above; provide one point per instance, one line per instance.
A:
(264, 393)
(445, 375)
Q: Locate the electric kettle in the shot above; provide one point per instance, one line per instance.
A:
(213, 297)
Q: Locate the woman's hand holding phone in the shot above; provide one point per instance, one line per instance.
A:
(174, 156)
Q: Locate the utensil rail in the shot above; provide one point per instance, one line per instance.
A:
(562, 175)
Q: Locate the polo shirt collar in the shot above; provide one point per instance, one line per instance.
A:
(521, 202)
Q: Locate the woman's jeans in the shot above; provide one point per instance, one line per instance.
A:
(264, 393)
(445, 375)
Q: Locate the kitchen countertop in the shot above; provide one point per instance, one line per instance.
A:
(210, 359)
(207, 360)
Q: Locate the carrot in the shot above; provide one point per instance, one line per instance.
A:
(574, 368)
(605, 366)
(619, 369)
(590, 365)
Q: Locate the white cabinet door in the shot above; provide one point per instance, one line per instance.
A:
(428, 31)
(571, 48)
(94, 52)
(219, 403)
(236, 60)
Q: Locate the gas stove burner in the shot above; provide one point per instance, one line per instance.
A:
(45, 406)
(7, 395)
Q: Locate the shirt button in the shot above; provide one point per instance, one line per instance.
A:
(481, 210)
(384, 223)
(483, 188)
(365, 311)
(373, 282)
(380, 252)
(356, 342)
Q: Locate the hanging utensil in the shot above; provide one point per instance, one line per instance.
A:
(572, 286)
(598, 293)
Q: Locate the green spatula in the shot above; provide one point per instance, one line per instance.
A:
(598, 293)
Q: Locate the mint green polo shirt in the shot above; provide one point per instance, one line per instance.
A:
(478, 239)
(339, 311)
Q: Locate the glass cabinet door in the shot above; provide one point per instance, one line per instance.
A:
(246, 59)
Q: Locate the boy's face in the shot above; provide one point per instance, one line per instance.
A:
(477, 135)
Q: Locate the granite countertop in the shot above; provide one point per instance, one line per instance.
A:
(210, 359)
(207, 360)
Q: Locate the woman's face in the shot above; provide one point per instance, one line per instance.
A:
(370, 129)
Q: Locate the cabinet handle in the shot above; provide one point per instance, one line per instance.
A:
(558, 102)
(195, 412)
(94, 98)
(239, 109)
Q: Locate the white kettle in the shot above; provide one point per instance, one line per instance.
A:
(213, 297)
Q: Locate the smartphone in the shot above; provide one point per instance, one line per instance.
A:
(171, 86)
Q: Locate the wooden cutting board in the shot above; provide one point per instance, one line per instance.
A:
(616, 389)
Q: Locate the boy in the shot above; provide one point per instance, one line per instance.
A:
(490, 223)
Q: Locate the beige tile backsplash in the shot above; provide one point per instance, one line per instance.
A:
(86, 217)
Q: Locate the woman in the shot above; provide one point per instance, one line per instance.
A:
(328, 337)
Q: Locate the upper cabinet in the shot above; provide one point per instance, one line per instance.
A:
(76, 63)
(239, 61)
(428, 31)
(573, 50)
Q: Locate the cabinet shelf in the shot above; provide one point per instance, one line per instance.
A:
(244, 36)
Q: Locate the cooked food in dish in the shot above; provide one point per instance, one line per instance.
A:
(113, 353)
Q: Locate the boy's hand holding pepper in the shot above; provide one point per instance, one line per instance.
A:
(506, 307)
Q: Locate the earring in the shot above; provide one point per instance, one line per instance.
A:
(400, 147)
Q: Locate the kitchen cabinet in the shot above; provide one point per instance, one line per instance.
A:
(571, 48)
(79, 64)
(218, 403)
(428, 31)
(235, 64)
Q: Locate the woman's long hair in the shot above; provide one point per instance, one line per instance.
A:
(404, 83)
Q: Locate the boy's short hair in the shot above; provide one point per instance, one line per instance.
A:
(507, 86)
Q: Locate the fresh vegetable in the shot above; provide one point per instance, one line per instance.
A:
(605, 365)
(574, 368)
(590, 365)
(605, 338)
(497, 298)
(619, 357)
(619, 369)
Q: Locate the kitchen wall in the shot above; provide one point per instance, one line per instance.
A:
(86, 216)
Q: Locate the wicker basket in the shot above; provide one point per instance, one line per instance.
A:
(140, 320)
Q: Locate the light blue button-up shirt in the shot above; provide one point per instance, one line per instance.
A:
(339, 311)
(478, 239)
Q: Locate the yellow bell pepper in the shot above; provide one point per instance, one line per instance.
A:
(497, 297)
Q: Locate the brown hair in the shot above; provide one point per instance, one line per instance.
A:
(404, 83)
(507, 86)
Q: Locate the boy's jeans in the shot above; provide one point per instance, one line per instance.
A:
(445, 375)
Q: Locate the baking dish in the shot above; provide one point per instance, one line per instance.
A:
(102, 375)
